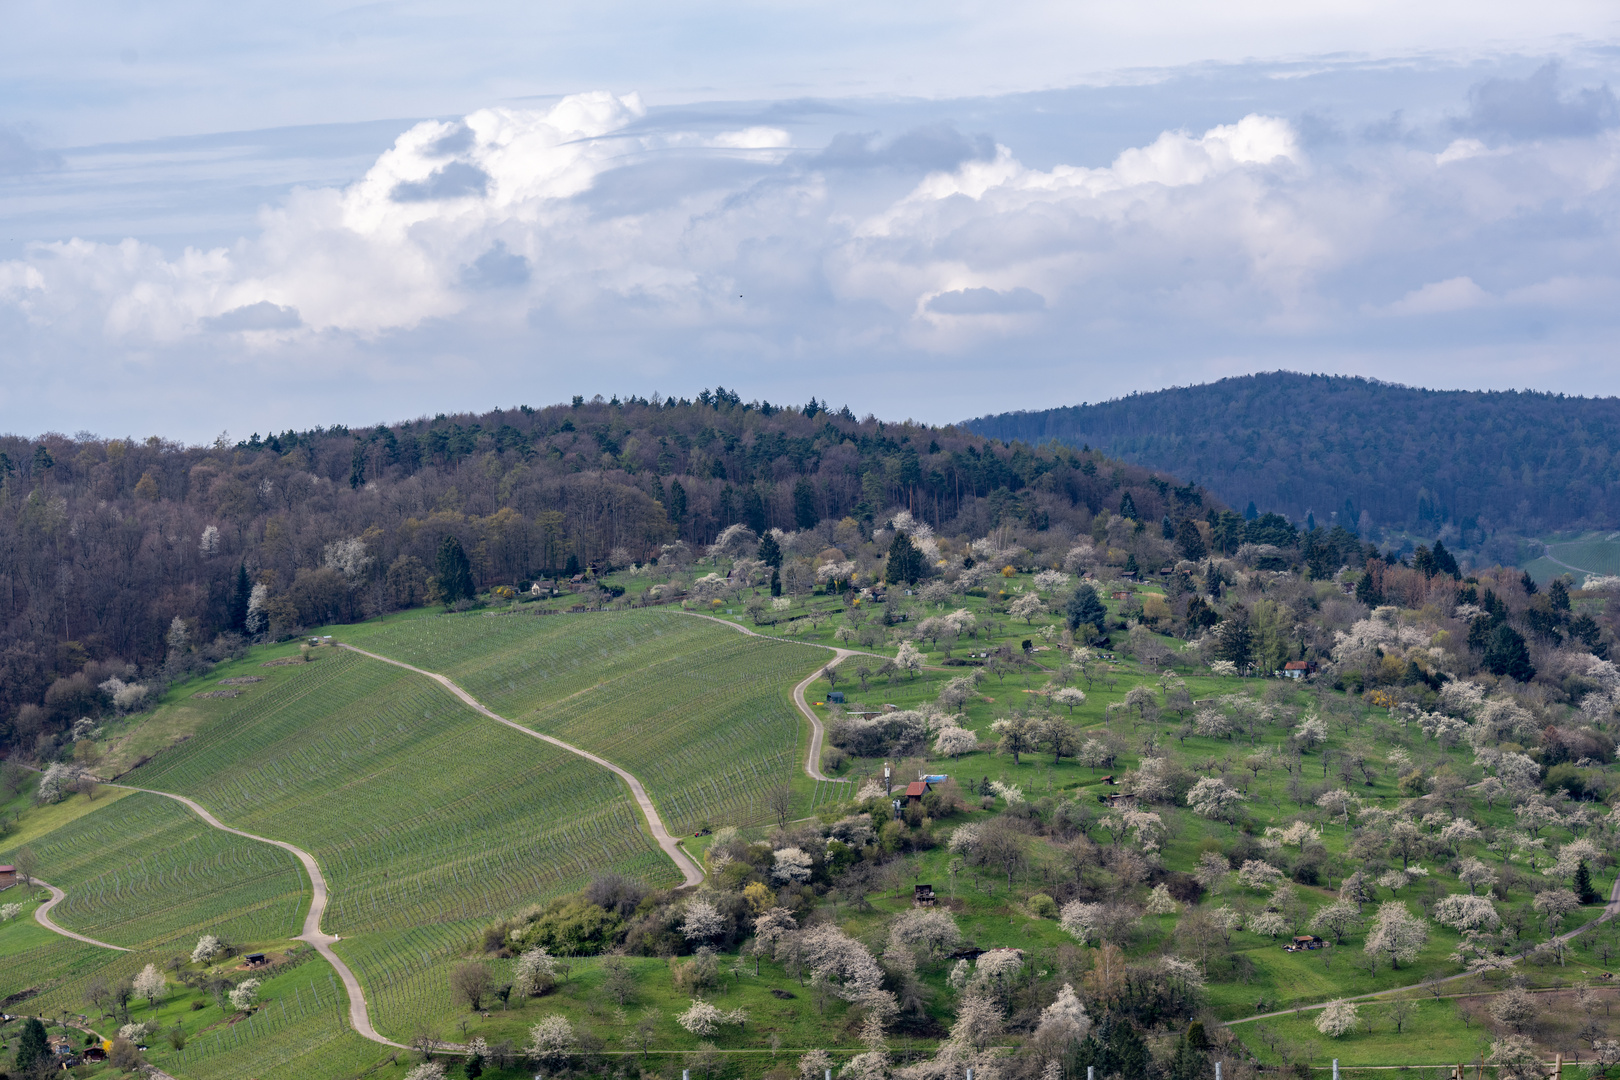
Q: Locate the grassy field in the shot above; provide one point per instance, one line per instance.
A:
(701, 714)
(1594, 553)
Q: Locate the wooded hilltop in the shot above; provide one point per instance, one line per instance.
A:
(125, 559)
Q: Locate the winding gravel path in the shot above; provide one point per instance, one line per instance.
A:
(42, 915)
(688, 868)
(359, 1017)
(818, 731)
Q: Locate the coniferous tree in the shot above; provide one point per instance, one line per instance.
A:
(1506, 655)
(239, 599)
(1445, 562)
(1529, 583)
(770, 552)
(1558, 594)
(1131, 566)
(1189, 541)
(33, 1047)
(805, 513)
(905, 561)
(1167, 528)
(455, 571)
(776, 583)
(677, 502)
(1127, 507)
(1583, 884)
(753, 510)
(1084, 607)
(1367, 590)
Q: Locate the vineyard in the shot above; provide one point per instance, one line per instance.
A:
(701, 714)
(427, 819)
(149, 875)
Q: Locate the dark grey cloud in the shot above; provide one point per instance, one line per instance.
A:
(20, 153)
(1532, 107)
(988, 302)
(929, 148)
(496, 268)
(261, 316)
(455, 180)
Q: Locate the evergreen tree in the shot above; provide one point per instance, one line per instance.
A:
(1212, 581)
(770, 552)
(1445, 562)
(571, 566)
(1167, 528)
(1583, 885)
(776, 583)
(1558, 594)
(455, 571)
(1367, 590)
(1529, 583)
(905, 561)
(33, 1047)
(677, 502)
(1310, 521)
(1506, 655)
(1131, 566)
(1189, 541)
(238, 609)
(1250, 512)
(753, 510)
(1349, 518)
(1200, 616)
(1084, 607)
(804, 504)
(1127, 507)
(1234, 641)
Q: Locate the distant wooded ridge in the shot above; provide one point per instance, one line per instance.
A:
(1367, 454)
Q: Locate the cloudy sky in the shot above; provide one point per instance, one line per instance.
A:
(251, 217)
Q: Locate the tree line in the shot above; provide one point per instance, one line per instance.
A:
(125, 560)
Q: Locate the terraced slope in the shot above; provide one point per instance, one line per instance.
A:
(146, 874)
(702, 715)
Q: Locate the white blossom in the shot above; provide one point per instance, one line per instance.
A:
(792, 866)
(1338, 1019)
(245, 994)
(208, 947)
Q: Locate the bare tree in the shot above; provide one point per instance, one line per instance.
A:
(780, 799)
(470, 982)
(27, 864)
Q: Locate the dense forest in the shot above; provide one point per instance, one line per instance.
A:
(124, 560)
(1466, 466)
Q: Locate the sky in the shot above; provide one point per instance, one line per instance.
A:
(241, 218)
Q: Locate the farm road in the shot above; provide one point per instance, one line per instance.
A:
(42, 915)
(359, 1017)
(818, 732)
(683, 862)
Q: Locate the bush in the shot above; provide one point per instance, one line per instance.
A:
(1044, 906)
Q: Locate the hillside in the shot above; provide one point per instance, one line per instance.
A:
(140, 561)
(1431, 802)
(1463, 465)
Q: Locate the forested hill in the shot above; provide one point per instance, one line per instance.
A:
(1481, 462)
(105, 543)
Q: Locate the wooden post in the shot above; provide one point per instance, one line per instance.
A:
(1558, 1067)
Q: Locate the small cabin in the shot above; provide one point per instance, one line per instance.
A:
(255, 959)
(923, 896)
(1304, 943)
(8, 876)
(1118, 800)
(1109, 780)
(1298, 669)
(95, 1053)
(916, 790)
(835, 697)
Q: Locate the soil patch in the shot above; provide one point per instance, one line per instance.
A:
(219, 694)
(285, 661)
(241, 680)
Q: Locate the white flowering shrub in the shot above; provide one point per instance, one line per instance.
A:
(208, 947)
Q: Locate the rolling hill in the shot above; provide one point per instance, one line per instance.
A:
(1467, 465)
